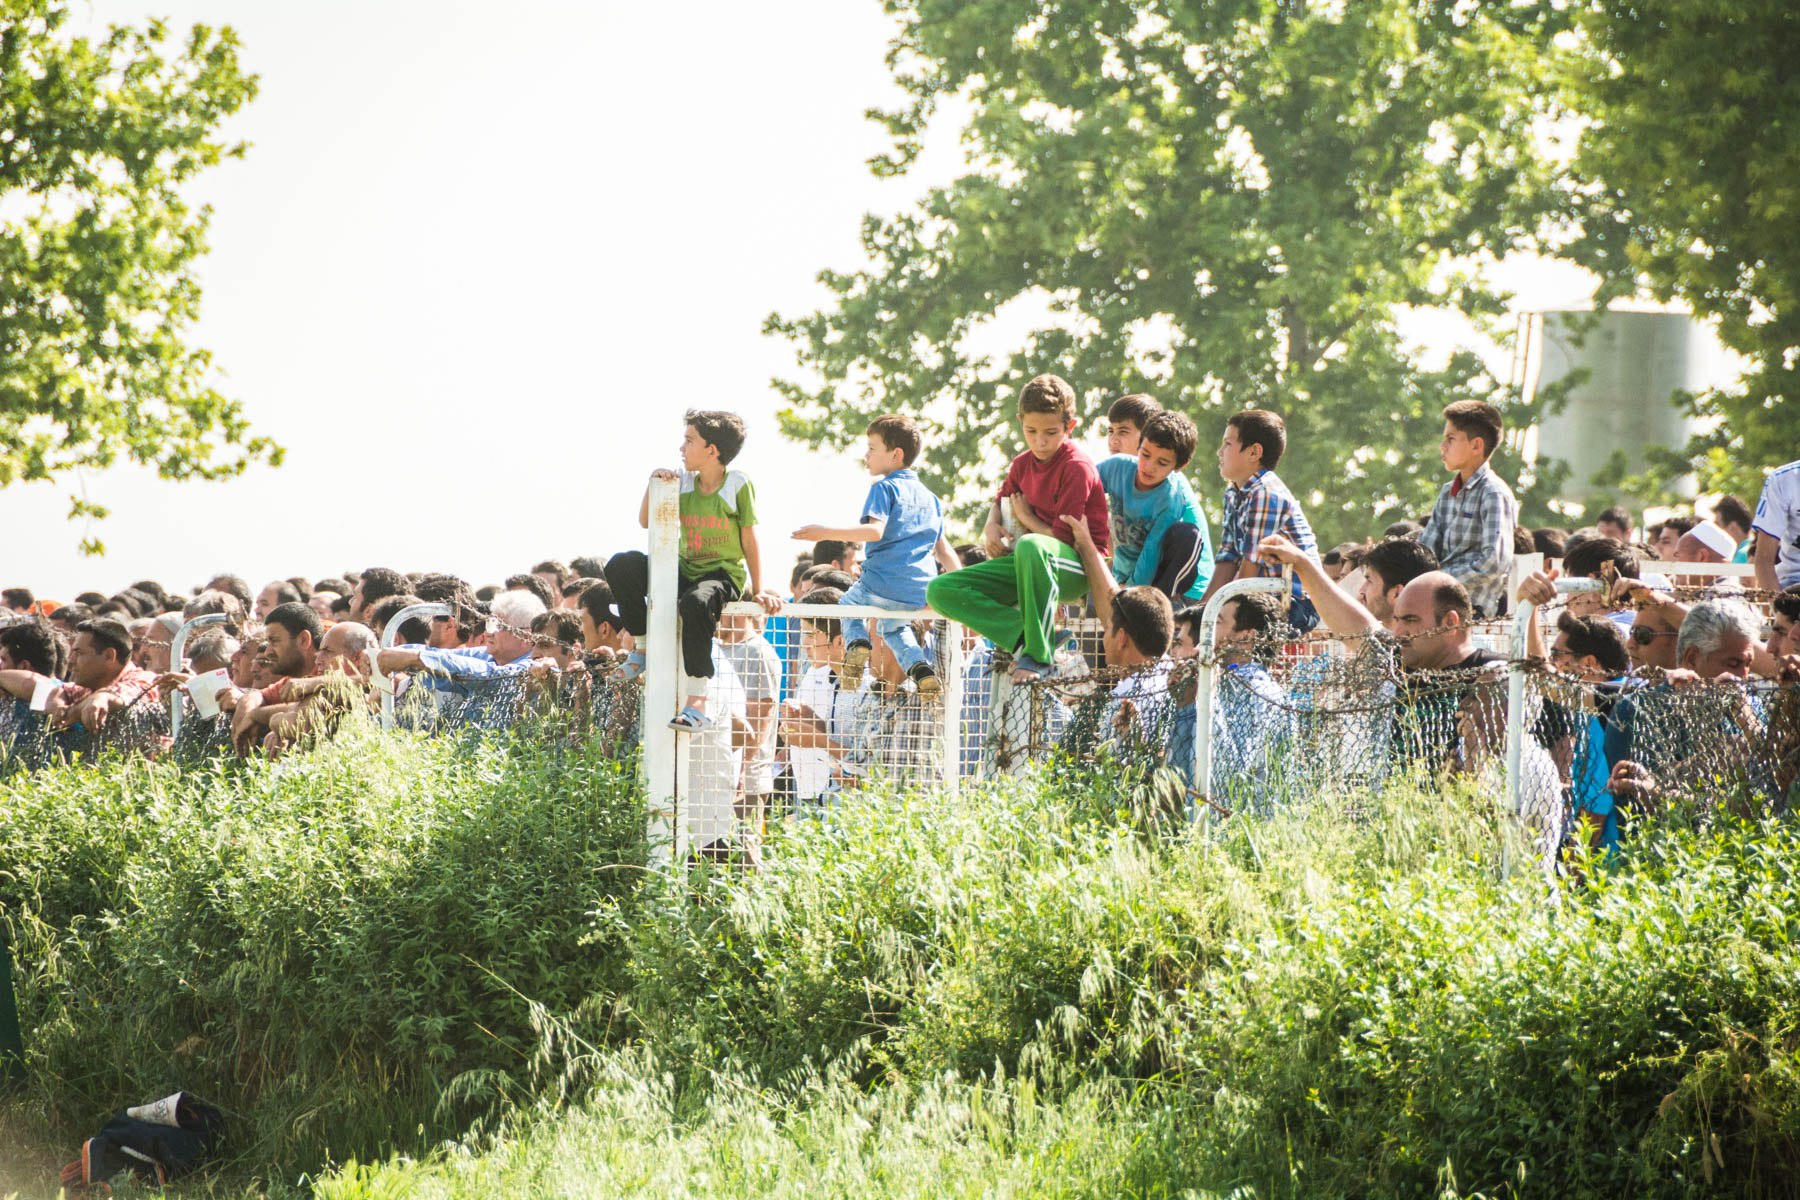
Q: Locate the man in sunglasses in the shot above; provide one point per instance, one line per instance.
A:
(1681, 730)
(1655, 628)
(1651, 640)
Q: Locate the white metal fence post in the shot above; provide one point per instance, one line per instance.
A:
(1205, 685)
(953, 702)
(389, 635)
(177, 651)
(1515, 693)
(662, 657)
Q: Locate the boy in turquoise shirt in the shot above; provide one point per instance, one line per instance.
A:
(1159, 537)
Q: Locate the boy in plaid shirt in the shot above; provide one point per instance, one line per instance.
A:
(1257, 506)
(1471, 526)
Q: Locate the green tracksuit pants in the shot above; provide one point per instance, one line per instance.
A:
(1012, 600)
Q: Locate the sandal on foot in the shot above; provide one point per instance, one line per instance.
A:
(690, 720)
(926, 680)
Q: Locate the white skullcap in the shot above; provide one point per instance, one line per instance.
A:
(1714, 539)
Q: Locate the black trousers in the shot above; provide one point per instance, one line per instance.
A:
(698, 603)
(1179, 563)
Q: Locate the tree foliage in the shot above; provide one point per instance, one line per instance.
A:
(1223, 203)
(1693, 168)
(97, 249)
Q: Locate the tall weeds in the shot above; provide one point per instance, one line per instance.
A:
(1045, 987)
(332, 947)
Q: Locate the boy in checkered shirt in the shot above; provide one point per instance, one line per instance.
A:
(1257, 506)
(1471, 526)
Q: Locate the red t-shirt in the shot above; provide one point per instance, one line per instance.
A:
(1068, 483)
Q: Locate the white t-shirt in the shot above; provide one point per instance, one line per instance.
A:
(836, 706)
(759, 669)
(712, 765)
(1778, 515)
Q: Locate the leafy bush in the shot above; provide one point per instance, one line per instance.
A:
(1361, 1001)
(336, 947)
(913, 1140)
(1043, 986)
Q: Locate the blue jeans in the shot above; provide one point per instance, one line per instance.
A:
(898, 635)
(1302, 615)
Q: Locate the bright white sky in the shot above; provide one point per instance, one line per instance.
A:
(478, 261)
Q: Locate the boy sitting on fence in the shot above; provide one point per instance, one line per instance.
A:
(904, 526)
(720, 560)
(1011, 599)
(1158, 535)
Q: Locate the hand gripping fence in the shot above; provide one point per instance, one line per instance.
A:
(178, 656)
(388, 637)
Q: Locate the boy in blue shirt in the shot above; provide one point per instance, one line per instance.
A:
(1159, 536)
(904, 526)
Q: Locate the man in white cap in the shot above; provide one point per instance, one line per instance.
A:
(1705, 543)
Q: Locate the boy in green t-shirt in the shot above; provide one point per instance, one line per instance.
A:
(720, 561)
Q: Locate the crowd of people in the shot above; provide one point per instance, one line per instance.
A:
(805, 704)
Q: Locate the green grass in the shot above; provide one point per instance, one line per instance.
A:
(441, 959)
(909, 1139)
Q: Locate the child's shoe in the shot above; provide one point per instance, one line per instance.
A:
(690, 720)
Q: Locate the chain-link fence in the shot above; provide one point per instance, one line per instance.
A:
(29, 742)
(808, 707)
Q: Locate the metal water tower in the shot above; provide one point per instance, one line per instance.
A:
(1636, 362)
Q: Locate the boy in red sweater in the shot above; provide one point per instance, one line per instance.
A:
(1011, 599)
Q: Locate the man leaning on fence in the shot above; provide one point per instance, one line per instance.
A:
(1448, 716)
(103, 679)
(470, 678)
(1681, 732)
